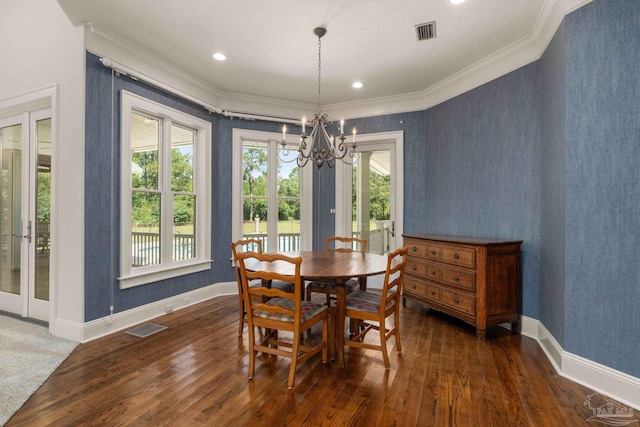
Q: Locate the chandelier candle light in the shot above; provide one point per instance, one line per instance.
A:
(318, 146)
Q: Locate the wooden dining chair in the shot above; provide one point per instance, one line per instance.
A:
(282, 311)
(250, 245)
(338, 244)
(370, 310)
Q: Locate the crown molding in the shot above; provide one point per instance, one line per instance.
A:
(106, 44)
(512, 57)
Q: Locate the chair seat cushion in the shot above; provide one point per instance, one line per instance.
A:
(351, 285)
(365, 301)
(276, 284)
(283, 286)
(307, 310)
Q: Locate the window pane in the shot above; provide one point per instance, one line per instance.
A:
(145, 133)
(254, 160)
(184, 231)
(145, 228)
(182, 142)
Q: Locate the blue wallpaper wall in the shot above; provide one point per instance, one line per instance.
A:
(602, 282)
(102, 223)
(481, 169)
(552, 214)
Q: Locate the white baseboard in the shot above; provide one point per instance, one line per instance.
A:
(615, 384)
(107, 325)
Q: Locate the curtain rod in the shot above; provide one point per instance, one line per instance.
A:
(121, 69)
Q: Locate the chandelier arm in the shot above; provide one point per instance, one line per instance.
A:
(327, 140)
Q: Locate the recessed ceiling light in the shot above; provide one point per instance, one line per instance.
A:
(456, 1)
(357, 85)
(219, 56)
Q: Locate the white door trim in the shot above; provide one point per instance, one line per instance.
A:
(343, 200)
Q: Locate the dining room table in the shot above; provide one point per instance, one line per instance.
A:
(333, 266)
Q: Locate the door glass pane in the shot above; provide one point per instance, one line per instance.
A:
(184, 231)
(43, 209)
(288, 202)
(254, 164)
(145, 228)
(371, 199)
(11, 151)
(254, 191)
(254, 220)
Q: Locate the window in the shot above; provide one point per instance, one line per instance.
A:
(268, 200)
(165, 192)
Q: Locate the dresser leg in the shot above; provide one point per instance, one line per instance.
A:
(516, 328)
(404, 301)
(481, 334)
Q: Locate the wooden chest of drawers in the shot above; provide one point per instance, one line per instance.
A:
(477, 280)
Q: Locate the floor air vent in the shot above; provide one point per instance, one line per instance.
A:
(146, 330)
(426, 31)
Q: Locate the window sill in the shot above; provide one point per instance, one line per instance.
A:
(138, 279)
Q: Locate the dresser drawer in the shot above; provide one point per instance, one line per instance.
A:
(433, 292)
(457, 256)
(416, 266)
(416, 248)
(434, 252)
(459, 278)
(458, 301)
(415, 286)
(433, 271)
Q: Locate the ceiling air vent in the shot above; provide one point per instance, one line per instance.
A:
(426, 31)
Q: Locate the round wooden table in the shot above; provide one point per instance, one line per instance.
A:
(332, 266)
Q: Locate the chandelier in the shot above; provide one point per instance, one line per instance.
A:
(319, 146)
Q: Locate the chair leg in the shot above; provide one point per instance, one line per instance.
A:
(325, 330)
(252, 352)
(383, 345)
(331, 342)
(241, 316)
(396, 325)
(295, 349)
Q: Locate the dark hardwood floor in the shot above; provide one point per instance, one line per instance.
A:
(195, 373)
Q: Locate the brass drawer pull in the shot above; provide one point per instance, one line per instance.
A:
(415, 267)
(456, 256)
(433, 292)
(433, 273)
(456, 300)
(415, 249)
(433, 252)
(456, 278)
(413, 285)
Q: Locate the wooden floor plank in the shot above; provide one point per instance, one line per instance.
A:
(195, 373)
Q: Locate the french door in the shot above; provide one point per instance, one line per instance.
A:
(25, 184)
(369, 194)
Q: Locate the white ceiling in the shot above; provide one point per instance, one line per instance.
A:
(272, 51)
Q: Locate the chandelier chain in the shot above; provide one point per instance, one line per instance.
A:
(319, 70)
(318, 146)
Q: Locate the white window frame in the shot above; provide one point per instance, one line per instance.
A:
(306, 187)
(167, 268)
